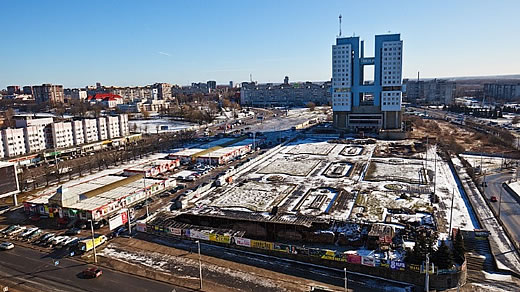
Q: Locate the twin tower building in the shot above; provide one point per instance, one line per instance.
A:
(367, 105)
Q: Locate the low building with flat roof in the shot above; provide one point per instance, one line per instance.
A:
(98, 198)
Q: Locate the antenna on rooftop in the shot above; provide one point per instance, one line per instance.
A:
(339, 25)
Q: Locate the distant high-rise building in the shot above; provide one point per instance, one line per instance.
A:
(434, 91)
(48, 93)
(230, 84)
(212, 85)
(13, 89)
(360, 104)
(27, 90)
(163, 91)
(502, 91)
(286, 80)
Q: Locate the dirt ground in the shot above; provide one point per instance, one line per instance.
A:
(469, 139)
(187, 277)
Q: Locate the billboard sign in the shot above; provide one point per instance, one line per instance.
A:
(118, 220)
(8, 179)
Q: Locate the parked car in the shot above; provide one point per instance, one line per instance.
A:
(33, 235)
(73, 231)
(81, 225)
(59, 239)
(67, 242)
(493, 199)
(49, 240)
(8, 229)
(6, 246)
(4, 209)
(16, 231)
(27, 232)
(92, 272)
(44, 238)
(164, 194)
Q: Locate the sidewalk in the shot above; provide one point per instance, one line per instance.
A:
(504, 253)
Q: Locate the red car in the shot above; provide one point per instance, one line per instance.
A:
(92, 272)
(493, 199)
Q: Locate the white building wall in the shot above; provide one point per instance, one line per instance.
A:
(62, 135)
(341, 77)
(90, 130)
(123, 125)
(102, 128)
(14, 142)
(77, 132)
(113, 128)
(41, 122)
(391, 100)
(392, 63)
(34, 137)
(2, 151)
(79, 94)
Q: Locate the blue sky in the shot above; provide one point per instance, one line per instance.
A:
(78, 43)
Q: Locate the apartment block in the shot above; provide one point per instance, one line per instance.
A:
(285, 94)
(502, 91)
(90, 130)
(113, 129)
(101, 123)
(48, 93)
(14, 142)
(432, 91)
(123, 125)
(34, 137)
(62, 135)
(77, 132)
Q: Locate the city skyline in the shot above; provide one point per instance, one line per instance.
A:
(184, 42)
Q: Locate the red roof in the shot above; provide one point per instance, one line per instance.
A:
(104, 96)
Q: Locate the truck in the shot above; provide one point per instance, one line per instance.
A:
(87, 244)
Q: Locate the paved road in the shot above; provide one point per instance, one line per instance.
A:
(509, 207)
(30, 270)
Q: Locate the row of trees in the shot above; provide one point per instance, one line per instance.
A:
(443, 257)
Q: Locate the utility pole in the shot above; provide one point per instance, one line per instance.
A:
(427, 279)
(435, 172)
(129, 223)
(200, 264)
(93, 241)
(426, 169)
(346, 281)
(451, 212)
(500, 200)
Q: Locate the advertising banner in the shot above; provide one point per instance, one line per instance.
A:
(118, 220)
(220, 238)
(262, 244)
(397, 265)
(175, 231)
(199, 235)
(242, 241)
(299, 250)
(384, 263)
(282, 247)
(368, 261)
(354, 259)
(415, 268)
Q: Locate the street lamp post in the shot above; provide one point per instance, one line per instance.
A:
(93, 241)
(200, 265)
